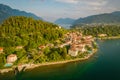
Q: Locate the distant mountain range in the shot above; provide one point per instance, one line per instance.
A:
(113, 17)
(65, 22)
(6, 11)
(106, 18)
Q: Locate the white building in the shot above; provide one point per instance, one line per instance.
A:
(11, 58)
(73, 52)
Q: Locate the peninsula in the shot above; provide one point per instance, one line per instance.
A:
(30, 43)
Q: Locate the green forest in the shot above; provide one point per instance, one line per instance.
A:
(25, 31)
(30, 33)
(110, 30)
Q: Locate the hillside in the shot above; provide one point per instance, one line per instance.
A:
(31, 40)
(25, 31)
(6, 11)
(106, 18)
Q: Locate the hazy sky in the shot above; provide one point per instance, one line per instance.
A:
(51, 10)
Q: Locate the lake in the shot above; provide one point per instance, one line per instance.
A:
(104, 65)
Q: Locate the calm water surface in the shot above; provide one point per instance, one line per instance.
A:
(104, 65)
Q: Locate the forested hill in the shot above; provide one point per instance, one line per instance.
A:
(109, 30)
(19, 30)
(6, 11)
(106, 18)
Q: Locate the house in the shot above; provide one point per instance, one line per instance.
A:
(11, 58)
(59, 27)
(73, 52)
(89, 37)
(41, 47)
(81, 48)
(50, 45)
(19, 47)
(102, 35)
(1, 50)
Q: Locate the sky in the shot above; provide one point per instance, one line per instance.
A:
(51, 10)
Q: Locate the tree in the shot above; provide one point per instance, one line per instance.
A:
(41, 59)
(64, 54)
(54, 56)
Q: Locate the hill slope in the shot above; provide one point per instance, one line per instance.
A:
(113, 17)
(31, 40)
(18, 30)
(6, 11)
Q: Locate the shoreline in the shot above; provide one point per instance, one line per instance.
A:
(62, 62)
(31, 66)
(106, 38)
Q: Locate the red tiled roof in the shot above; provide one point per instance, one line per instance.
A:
(12, 55)
(73, 49)
(41, 46)
(1, 49)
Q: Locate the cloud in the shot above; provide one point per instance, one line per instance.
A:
(91, 2)
(86, 4)
(83, 8)
(68, 1)
(97, 3)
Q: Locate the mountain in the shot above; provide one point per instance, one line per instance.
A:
(6, 11)
(36, 37)
(23, 30)
(105, 18)
(65, 22)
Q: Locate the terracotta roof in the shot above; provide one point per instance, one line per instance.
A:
(11, 58)
(73, 49)
(1, 49)
(41, 46)
(12, 55)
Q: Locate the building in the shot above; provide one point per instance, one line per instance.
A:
(73, 52)
(41, 47)
(50, 45)
(19, 47)
(11, 58)
(1, 50)
(102, 35)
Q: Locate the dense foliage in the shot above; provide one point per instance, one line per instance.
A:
(24, 31)
(30, 33)
(110, 30)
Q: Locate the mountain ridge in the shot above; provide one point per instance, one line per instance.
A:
(113, 17)
(7, 11)
(64, 21)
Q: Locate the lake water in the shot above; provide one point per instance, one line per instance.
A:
(104, 65)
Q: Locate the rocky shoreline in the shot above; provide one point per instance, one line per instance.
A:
(114, 37)
(31, 66)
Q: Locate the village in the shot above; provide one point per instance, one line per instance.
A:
(78, 44)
